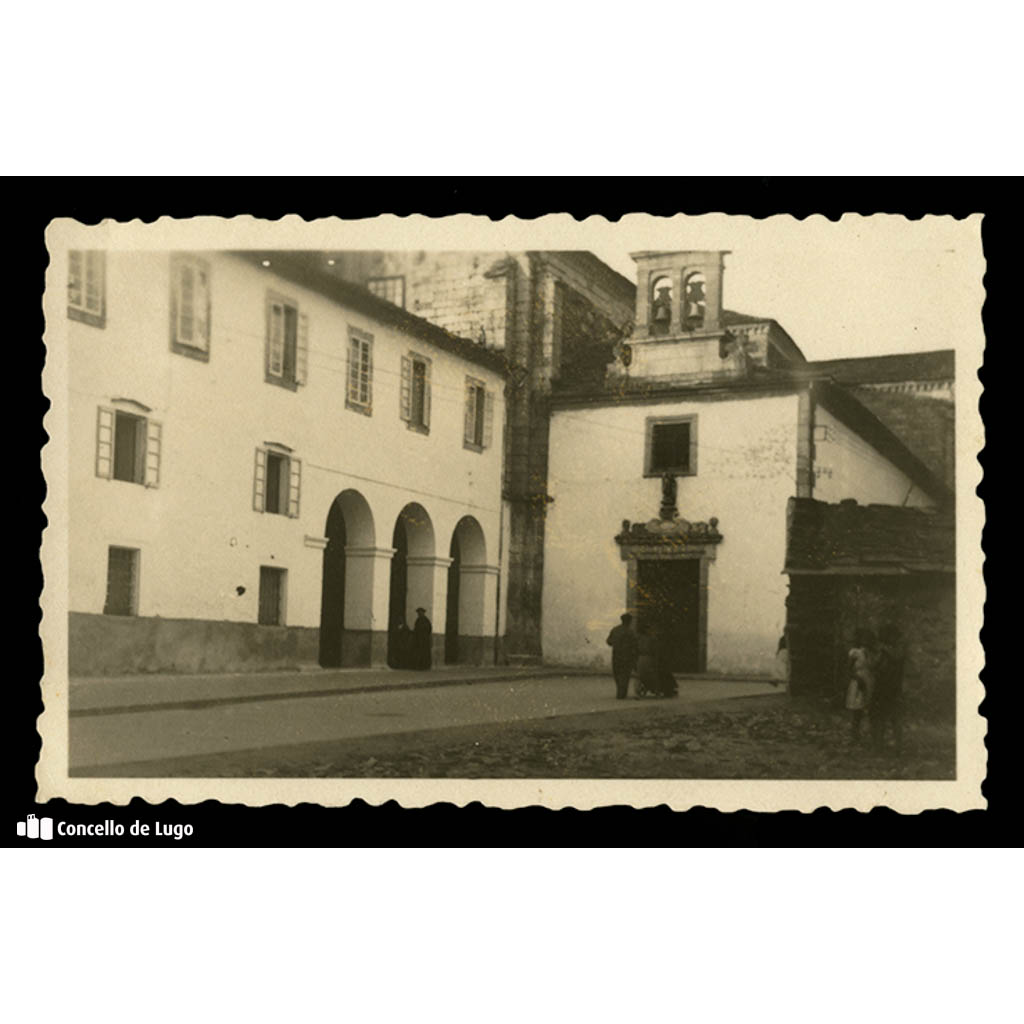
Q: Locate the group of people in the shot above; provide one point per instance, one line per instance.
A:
(875, 685)
(644, 654)
(411, 648)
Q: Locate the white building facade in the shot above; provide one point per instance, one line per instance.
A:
(269, 467)
(670, 482)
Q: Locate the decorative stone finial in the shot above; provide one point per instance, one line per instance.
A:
(668, 497)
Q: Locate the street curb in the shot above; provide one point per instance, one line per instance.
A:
(251, 698)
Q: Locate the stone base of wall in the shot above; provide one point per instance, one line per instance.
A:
(472, 650)
(112, 645)
(824, 611)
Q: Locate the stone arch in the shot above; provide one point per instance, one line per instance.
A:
(346, 595)
(466, 610)
(412, 572)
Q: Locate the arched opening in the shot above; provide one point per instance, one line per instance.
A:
(694, 301)
(661, 304)
(347, 584)
(465, 605)
(412, 578)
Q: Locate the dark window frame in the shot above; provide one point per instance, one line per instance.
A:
(657, 421)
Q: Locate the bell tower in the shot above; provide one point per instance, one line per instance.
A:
(678, 329)
(678, 293)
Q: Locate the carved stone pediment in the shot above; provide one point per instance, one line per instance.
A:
(669, 534)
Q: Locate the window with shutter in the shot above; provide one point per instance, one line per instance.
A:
(190, 307)
(87, 286)
(475, 431)
(277, 480)
(287, 343)
(359, 395)
(416, 392)
(127, 447)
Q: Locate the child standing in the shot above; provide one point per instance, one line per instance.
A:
(859, 690)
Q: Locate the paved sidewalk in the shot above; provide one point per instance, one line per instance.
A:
(112, 735)
(121, 694)
(117, 694)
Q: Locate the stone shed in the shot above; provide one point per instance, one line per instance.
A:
(854, 566)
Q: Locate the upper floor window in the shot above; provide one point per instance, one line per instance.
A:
(478, 428)
(391, 289)
(190, 307)
(287, 342)
(671, 446)
(276, 481)
(127, 447)
(87, 287)
(694, 301)
(359, 394)
(415, 392)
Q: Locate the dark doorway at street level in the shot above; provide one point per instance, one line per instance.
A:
(451, 629)
(668, 607)
(398, 594)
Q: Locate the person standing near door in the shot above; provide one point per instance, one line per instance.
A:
(623, 642)
(422, 640)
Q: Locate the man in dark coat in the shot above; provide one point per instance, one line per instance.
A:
(623, 642)
(422, 640)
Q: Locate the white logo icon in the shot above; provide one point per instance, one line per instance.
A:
(36, 828)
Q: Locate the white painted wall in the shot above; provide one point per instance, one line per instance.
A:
(198, 533)
(746, 470)
(846, 466)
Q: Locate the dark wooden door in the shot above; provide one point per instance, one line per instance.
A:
(668, 607)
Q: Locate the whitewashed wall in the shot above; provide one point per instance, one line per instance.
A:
(746, 470)
(199, 535)
(846, 466)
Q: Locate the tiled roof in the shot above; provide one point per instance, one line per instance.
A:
(879, 369)
(852, 538)
(924, 425)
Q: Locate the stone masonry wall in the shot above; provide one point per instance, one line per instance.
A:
(824, 611)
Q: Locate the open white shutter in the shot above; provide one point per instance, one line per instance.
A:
(488, 418)
(302, 349)
(294, 486)
(469, 421)
(406, 389)
(275, 338)
(353, 370)
(104, 442)
(154, 434)
(369, 373)
(259, 481)
(426, 392)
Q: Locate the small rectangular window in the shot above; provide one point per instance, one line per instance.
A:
(272, 593)
(359, 395)
(87, 286)
(122, 581)
(392, 289)
(190, 307)
(671, 446)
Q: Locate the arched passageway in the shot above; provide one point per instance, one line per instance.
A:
(412, 576)
(464, 619)
(347, 586)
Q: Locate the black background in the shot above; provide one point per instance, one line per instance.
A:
(34, 202)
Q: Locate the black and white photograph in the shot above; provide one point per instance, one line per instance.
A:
(667, 510)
